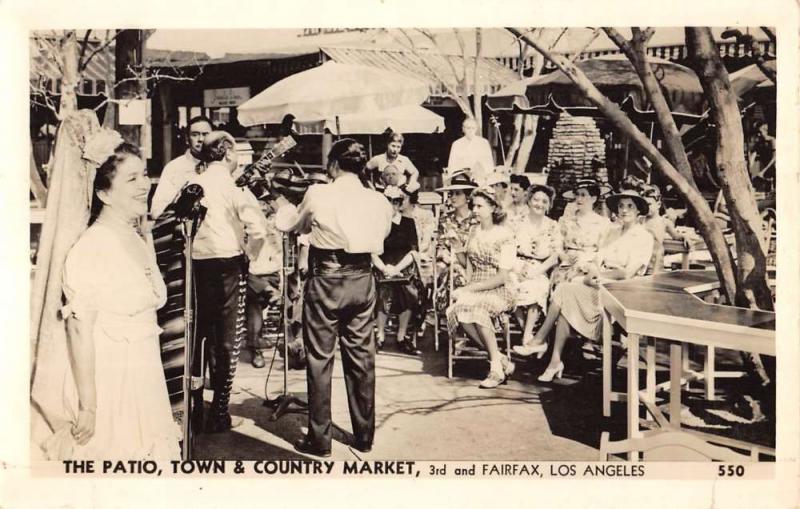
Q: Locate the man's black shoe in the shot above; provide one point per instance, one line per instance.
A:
(408, 348)
(306, 447)
(363, 447)
(258, 361)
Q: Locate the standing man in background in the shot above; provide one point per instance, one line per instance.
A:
(180, 170)
(471, 151)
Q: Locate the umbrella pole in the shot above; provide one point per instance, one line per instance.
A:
(338, 128)
(369, 137)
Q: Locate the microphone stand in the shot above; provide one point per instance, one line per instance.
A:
(191, 383)
(282, 404)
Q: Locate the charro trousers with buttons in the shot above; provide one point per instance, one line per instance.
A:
(221, 291)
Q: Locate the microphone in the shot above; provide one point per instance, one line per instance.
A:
(187, 204)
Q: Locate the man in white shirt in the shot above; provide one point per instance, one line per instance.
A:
(346, 224)
(392, 157)
(180, 170)
(473, 152)
(220, 266)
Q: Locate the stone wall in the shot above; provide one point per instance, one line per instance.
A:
(574, 144)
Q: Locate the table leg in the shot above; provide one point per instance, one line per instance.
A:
(650, 379)
(709, 373)
(633, 391)
(685, 261)
(675, 371)
(607, 367)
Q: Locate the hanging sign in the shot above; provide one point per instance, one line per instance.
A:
(225, 97)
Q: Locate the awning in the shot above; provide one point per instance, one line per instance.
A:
(406, 119)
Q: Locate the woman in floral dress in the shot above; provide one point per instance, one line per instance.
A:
(538, 248)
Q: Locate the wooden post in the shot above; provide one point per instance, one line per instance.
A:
(128, 64)
(327, 141)
(633, 392)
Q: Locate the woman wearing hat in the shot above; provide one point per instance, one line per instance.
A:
(575, 304)
(490, 252)
(538, 246)
(453, 229)
(397, 261)
(583, 231)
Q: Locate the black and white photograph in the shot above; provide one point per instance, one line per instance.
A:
(439, 252)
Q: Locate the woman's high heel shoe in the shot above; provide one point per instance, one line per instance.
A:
(530, 349)
(551, 373)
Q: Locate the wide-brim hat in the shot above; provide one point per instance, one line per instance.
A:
(641, 204)
(458, 181)
(586, 183)
(500, 175)
(535, 188)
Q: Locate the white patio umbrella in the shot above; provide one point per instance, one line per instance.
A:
(332, 90)
(404, 119)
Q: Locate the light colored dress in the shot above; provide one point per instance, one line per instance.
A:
(133, 418)
(579, 302)
(517, 216)
(487, 253)
(582, 239)
(535, 244)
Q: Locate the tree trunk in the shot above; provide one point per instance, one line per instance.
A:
(709, 229)
(476, 85)
(752, 289)
(129, 66)
(69, 75)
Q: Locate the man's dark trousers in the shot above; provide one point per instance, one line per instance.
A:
(339, 300)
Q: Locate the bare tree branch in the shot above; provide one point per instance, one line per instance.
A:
(770, 34)
(648, 34)
(577, 54)
(98, 50)
(563, 31)
(434, 74)
(84, 44)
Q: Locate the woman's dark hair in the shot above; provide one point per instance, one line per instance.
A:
(498, 213)
(105, 174)
(349, 155)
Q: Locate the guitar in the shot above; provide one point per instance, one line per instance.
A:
(243, 176)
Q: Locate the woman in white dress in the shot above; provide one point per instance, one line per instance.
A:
(575, 304)
(113, 288)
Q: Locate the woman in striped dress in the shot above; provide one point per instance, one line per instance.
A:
(489, 255)
(575, 304)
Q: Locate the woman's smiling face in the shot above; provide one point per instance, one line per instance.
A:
(129, 189)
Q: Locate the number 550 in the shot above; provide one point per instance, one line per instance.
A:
(730, 471)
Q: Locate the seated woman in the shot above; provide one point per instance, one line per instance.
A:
(113, 288)
(455, 224)
(658, 226)
(397, 261)
(582, 231)
(490, 253)
(575, 304)
(538, 248)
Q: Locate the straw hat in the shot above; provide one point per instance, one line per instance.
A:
(586, 183)
(500, 175)
(641, 203)
(459, 181)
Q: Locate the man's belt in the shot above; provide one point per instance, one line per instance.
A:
(337, 261)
